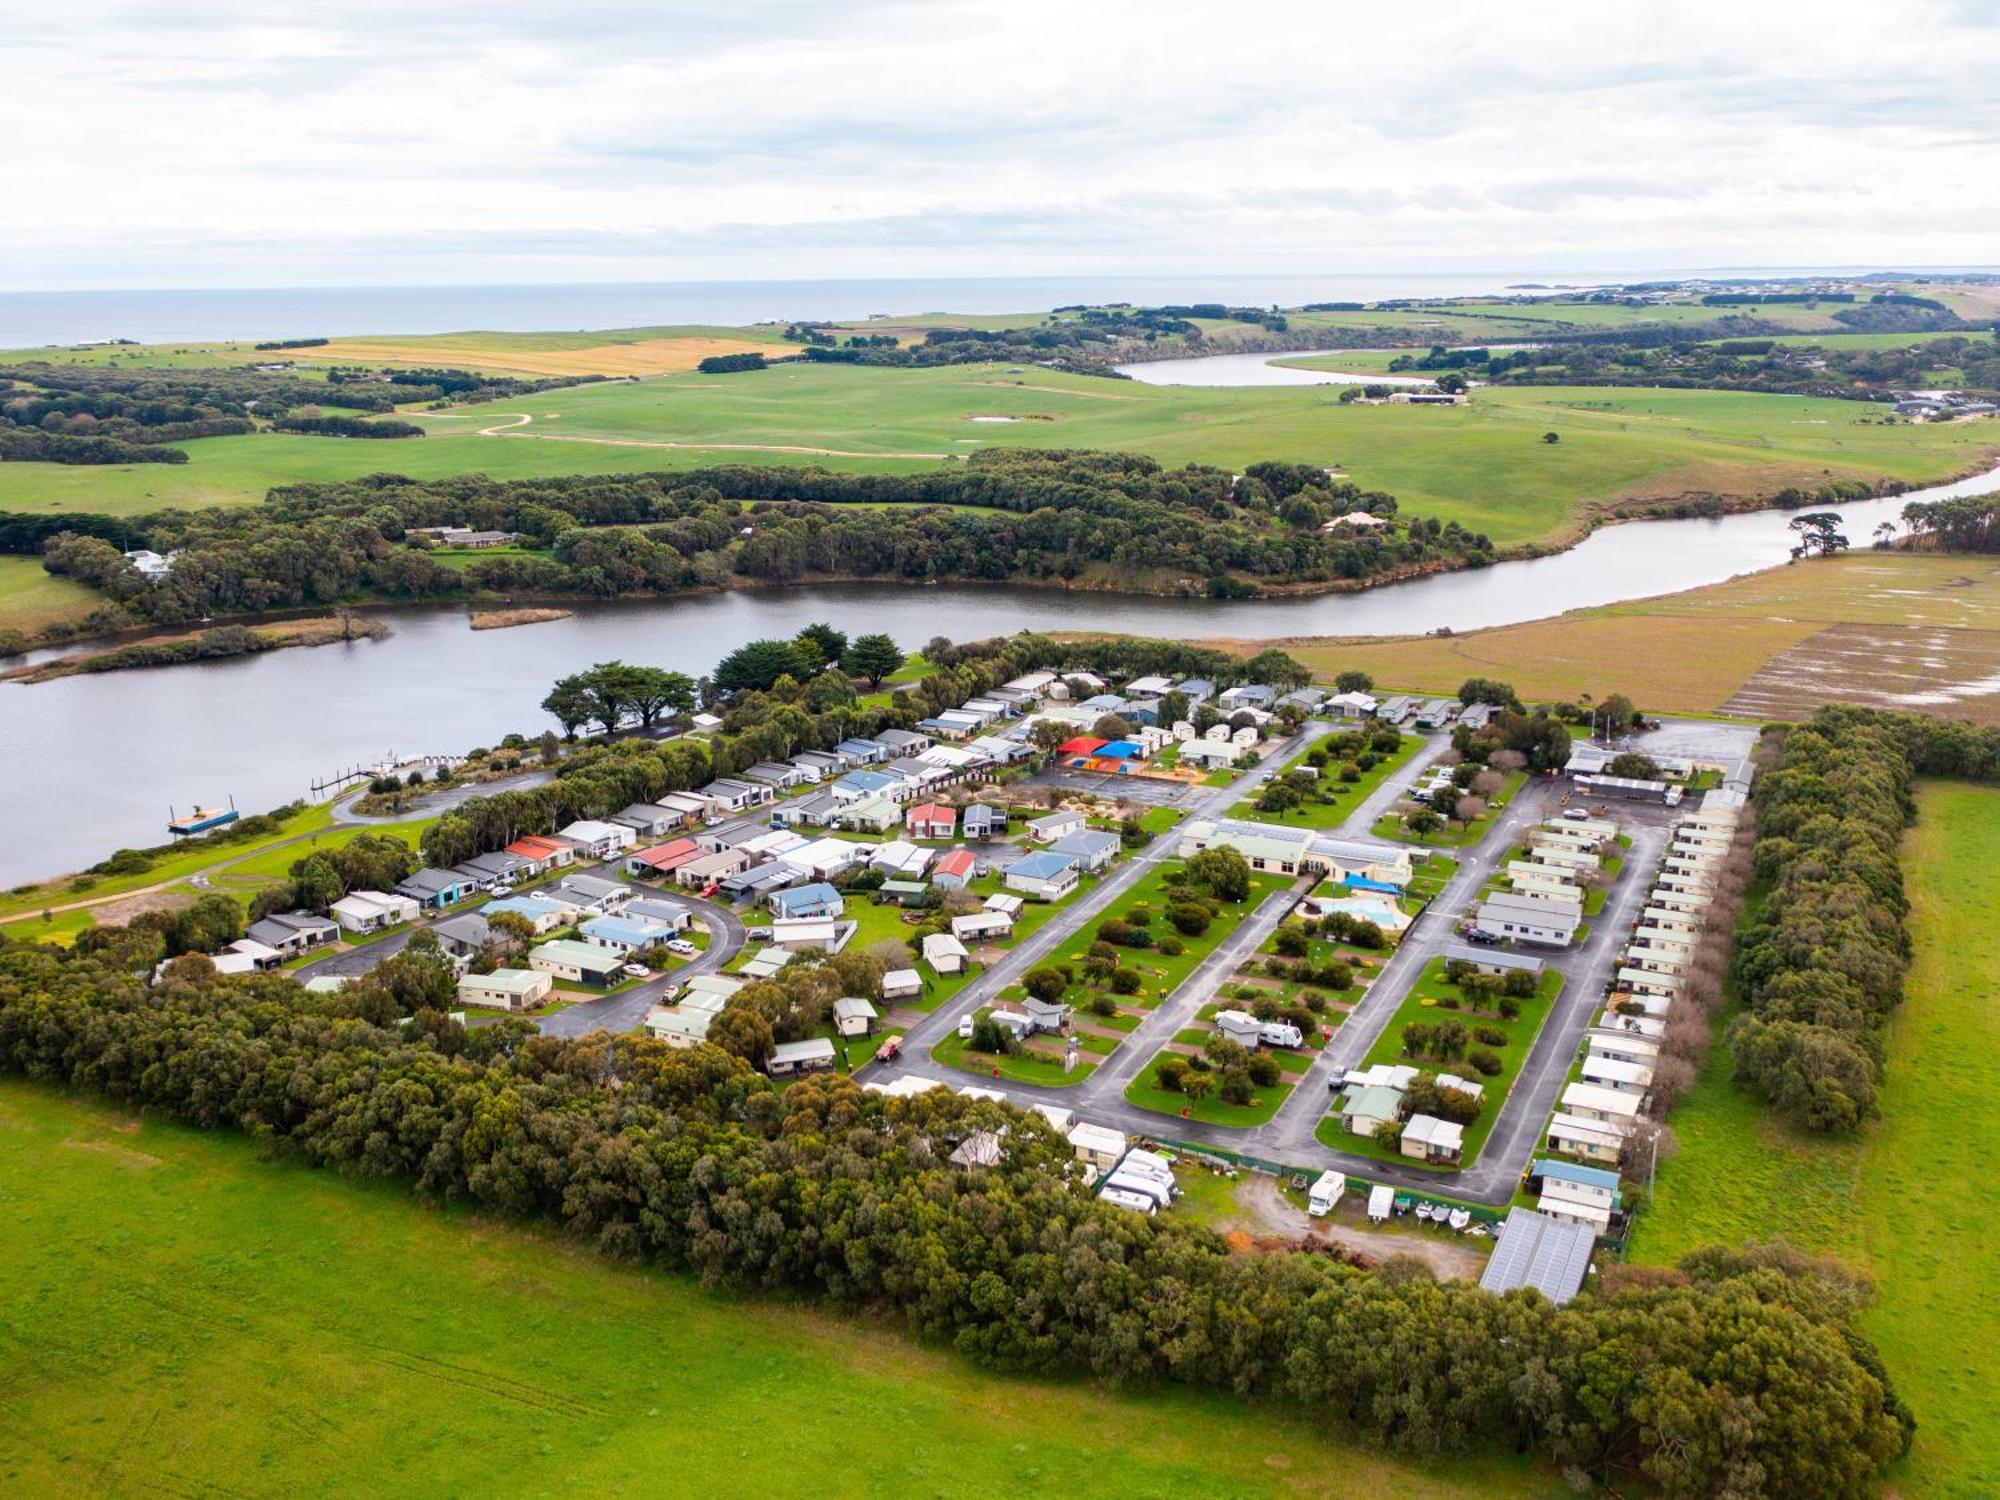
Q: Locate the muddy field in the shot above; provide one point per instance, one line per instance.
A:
(1926, 669)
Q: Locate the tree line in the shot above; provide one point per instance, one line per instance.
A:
(1820, 966)
(1052, 517)
(1743, 364)
(1740, 1373)
(100, 414)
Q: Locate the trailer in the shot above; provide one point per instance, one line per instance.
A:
(1138, 1203)
(1381, 1203)
(1326, 1193)
(1135, 1182)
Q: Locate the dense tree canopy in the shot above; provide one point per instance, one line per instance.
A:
(1741, 1374)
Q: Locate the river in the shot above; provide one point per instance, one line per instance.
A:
(1255, 369)
(94, 761)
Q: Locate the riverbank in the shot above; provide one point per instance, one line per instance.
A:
(504, 619)
(1884, 629)
(215, 644)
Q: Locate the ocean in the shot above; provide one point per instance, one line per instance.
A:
(34, 319)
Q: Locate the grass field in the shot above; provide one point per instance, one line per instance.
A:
(203, 1321)
(1702, 649)
(1900, 1202)
(170, 867)
(1483, 465)
(1342, 796)
(31, 599)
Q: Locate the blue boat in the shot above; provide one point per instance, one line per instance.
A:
(200, 820)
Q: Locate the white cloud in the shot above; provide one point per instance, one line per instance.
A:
(222, 143)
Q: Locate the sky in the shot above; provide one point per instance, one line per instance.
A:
(212, 143)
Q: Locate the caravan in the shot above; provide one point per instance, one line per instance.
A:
(1326, 1193)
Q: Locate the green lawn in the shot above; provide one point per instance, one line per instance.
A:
(276, 864)
(1453, 835)
(1342, 797)
(32, 598)
(1521, 1033)
(1021, 1067)
(203, 1321)
(1210, 1111)
(1483, 465)
(174, 865)
(1900, 1202)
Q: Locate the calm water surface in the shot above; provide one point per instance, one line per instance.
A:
(1254, 369)
(94, 762)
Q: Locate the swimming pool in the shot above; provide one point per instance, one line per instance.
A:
(1376, 909)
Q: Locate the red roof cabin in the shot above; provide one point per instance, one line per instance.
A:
(931, 820)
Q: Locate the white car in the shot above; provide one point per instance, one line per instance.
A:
(637, 971)
(965, 1028)
(681, 946)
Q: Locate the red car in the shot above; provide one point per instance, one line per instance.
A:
(890, 1050)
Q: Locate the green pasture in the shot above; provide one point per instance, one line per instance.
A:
(207, 1321)
(1485, 465)
(1894, 1203)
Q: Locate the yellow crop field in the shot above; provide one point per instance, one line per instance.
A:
(660, 356)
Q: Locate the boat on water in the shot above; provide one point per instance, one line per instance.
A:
(201, 820)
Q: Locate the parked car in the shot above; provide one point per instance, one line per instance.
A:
(637, 971)
(759, 934)
(890, 1050)
(681, 946)
(965, 1028)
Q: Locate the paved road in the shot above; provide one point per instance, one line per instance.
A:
(1289, 1136)
(619, 1012)
(626, 1009)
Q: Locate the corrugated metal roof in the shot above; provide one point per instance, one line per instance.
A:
(1547, 1254)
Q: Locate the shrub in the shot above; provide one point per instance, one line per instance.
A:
(1264, 1070)
(1190, 917)
(1170, 1072)
(1172, 947)
(1486, 1064)
(1125, 981)
(1491, 1036)
(1103, 1005)
(1508, 1007)
(1293, 943)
